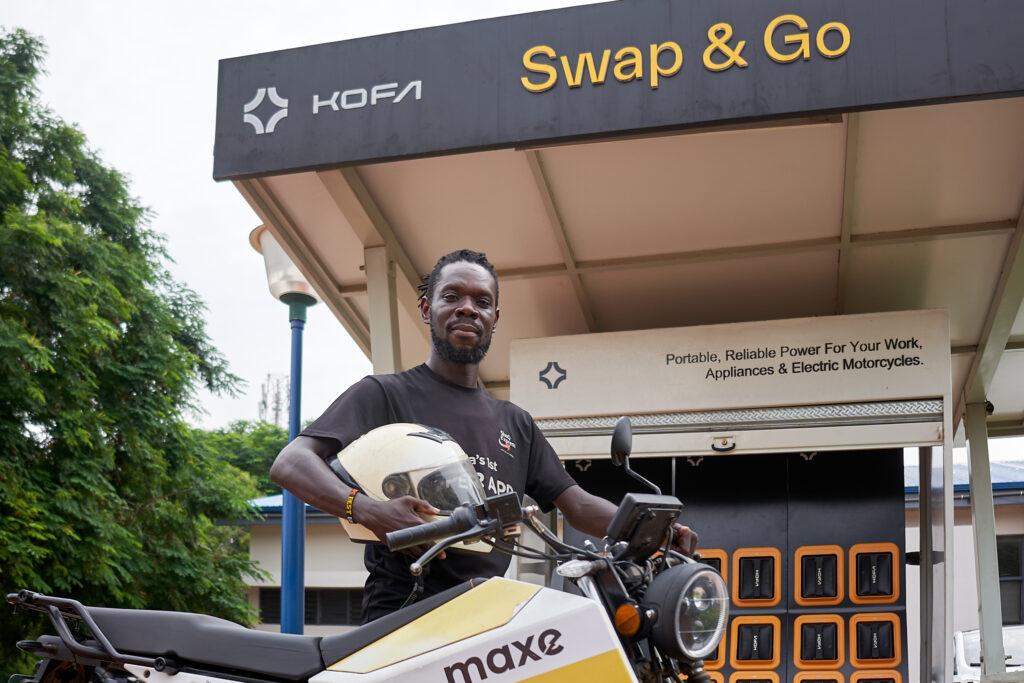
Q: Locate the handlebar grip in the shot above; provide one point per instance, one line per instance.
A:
(461, 519)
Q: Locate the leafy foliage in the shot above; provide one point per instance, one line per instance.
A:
(106, 494)
(249, 446)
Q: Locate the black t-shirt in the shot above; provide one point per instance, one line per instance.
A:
(502, 440)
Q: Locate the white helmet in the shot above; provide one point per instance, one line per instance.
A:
(409, 459)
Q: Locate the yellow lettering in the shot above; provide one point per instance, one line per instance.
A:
(636, 61)
(721, 44)
(575, 80)
(801, 38)
(604, 68)
(539, 69)
(843, 31)
(656, 68)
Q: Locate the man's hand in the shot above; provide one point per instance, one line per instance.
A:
(399, 513)
(685, 540)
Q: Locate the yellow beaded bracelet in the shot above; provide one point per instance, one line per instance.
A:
(348, 504)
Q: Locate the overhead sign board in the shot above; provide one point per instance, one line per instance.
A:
(810, 361)
(602, 70)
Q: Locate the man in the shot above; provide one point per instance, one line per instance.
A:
(460, 305)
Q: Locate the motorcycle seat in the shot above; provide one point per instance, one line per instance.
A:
(337, 648)
(205, 640)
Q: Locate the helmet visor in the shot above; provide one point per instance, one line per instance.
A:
(446, 487)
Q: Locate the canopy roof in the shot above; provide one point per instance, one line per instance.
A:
(777, 191)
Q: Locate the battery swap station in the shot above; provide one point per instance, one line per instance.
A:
(784, 439)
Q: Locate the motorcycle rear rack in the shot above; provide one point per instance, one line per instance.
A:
(61, 609)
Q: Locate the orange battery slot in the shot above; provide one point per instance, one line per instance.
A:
(717, 658)
(874, 573)
(718, 559)
(875, 640)
(819, 575)
(749, 650)
(756, 577)
(819, 641)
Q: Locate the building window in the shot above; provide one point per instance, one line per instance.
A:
(1010, 551)
(324, 606)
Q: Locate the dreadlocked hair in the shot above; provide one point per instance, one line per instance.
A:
(462, 255)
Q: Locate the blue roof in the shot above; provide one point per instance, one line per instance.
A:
(1005, 476)
(274, 504)
(269, 503)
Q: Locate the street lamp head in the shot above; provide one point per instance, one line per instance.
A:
(283, 277)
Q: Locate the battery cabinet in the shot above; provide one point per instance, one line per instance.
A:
(787, 532)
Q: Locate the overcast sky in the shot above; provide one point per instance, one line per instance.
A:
(140, 80)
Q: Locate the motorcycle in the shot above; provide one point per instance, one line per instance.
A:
(640, 612)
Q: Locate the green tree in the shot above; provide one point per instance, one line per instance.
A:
(106, 494)
(249, 446)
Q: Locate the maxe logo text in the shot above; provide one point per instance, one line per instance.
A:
(505, 658)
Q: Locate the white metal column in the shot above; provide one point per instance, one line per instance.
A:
(990, 613)
(385, 346)
(927, 561)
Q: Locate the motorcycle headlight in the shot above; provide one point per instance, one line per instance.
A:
(692, 606)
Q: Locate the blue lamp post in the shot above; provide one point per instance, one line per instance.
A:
(288, 285)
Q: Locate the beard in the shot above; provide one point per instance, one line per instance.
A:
(459, 354)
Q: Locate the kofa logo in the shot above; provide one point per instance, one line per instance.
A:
(552, 375)
(357, 98)
(254, 121)
(503, 659)
(506, 443)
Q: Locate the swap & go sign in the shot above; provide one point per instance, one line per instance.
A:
(786, 39)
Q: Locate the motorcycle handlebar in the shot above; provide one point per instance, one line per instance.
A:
(462, 519)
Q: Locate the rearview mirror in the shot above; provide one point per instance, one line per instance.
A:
(622, 441)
